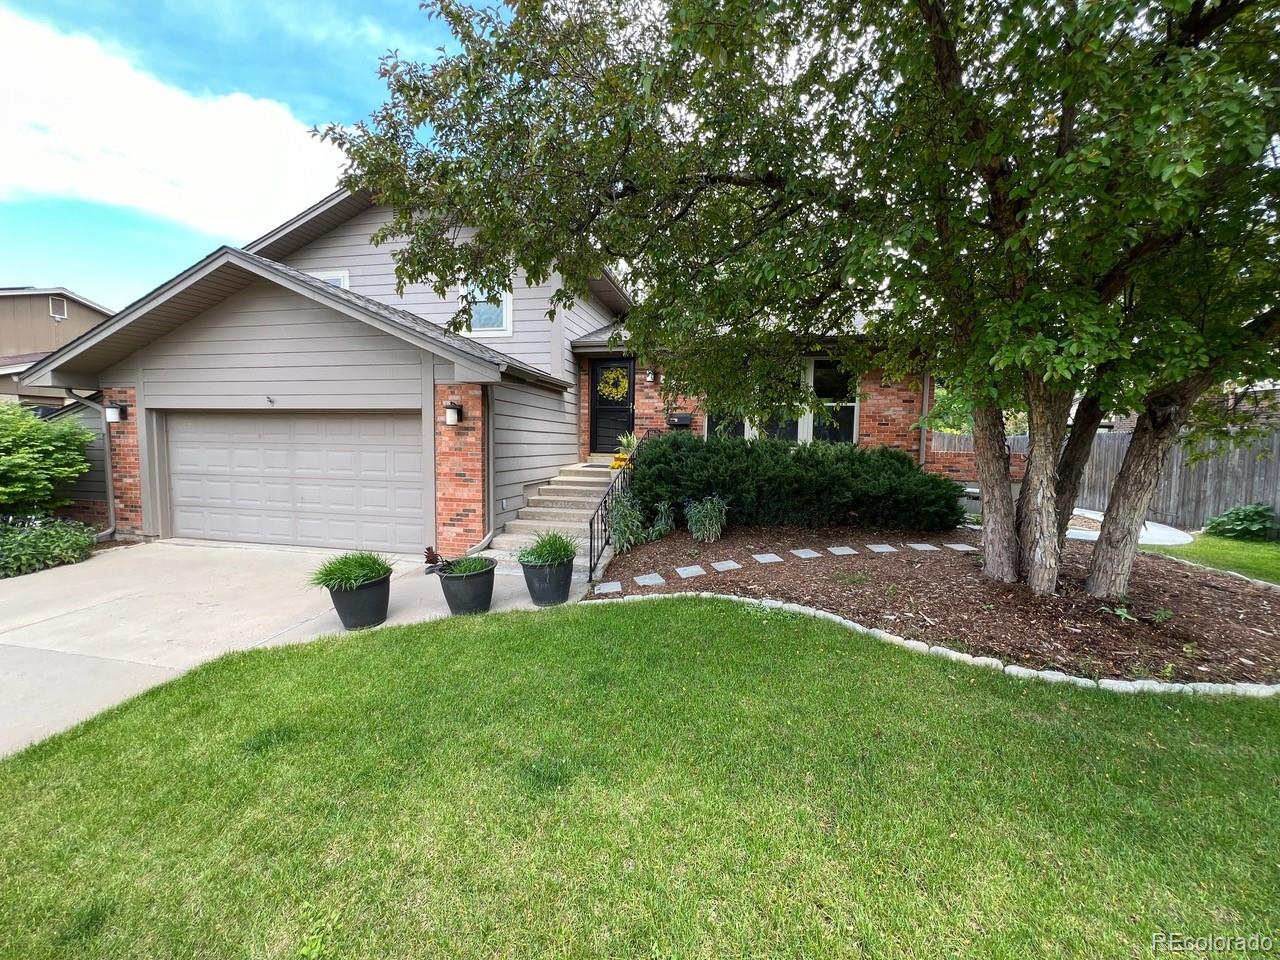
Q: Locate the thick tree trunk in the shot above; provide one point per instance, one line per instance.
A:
(999, 529)
(1153, 437)
(1038, 503)
(1075, 457)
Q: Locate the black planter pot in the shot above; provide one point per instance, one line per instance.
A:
(548, 583)
(468, 592)
(365, 606)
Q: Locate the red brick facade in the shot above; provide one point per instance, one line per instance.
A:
(887, 412)
(650, 413)
(92, 512)
(460, 469)
(126, 476)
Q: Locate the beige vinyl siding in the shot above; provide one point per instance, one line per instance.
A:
(268, 348)
(91, 485)
(27, 327)
(535, 433)
(372, 273)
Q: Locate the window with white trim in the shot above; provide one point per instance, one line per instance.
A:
(489, 317)
(838, 394)
(335, 278)
(58, 308)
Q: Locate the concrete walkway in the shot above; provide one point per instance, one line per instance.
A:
(75, 640)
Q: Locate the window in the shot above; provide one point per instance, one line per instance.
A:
(838, 394)
(839, 397)
(58, 308)
(335, 278)
(489, 318)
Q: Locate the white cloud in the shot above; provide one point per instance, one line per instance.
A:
(80, 121)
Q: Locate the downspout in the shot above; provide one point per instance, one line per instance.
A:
(106, 463)
(924, 411)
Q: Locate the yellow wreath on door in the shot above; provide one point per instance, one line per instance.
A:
(614, 384)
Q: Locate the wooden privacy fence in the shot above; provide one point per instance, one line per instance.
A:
(1188, 494)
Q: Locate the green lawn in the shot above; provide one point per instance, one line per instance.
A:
(675, 779)
(1259, 560)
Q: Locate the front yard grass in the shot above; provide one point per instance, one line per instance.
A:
(1259, 560)
(676, 778)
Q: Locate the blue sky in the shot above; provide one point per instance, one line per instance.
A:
(168, 128)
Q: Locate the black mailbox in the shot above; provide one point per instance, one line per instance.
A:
(680, 421)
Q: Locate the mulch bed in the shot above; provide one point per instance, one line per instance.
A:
(1188, 624)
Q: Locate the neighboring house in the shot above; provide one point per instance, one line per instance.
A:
(286, 393)
(35, 321)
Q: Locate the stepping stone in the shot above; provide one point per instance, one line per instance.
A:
(961, 547)
(687, 572)
(766, 558)
(922, 547)
(613, 586)
(726, 565)
(841, 551)
(972, 526)
(650, 580)
(881, 548)
(804, 553)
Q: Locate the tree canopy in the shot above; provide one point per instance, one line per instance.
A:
(999, 195)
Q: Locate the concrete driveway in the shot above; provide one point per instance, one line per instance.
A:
(75, 640)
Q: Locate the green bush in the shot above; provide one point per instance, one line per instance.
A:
(776, 483)
(626, 524)
(34, 544)
(549, 548)
(706, 518)
(1256, 521)
(37, 457)
(350, 570)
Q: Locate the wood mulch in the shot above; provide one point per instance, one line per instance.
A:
(1180, 623)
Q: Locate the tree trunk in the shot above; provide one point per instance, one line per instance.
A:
(1038, 503)
(999, 530)
(1075, 457)
(1153, 437)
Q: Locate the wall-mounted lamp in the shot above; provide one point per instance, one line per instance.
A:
(116, 412)
(649, 375)
(452, 413)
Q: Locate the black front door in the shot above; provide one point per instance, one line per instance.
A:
(613, 402)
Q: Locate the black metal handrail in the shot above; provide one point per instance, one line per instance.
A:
(598, 536)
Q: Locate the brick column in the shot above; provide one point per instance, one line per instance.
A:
(460, 469)
(126, 478)
(584, 410)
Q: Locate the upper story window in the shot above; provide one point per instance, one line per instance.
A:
(336, 278)
(58, 308)
(489, 318)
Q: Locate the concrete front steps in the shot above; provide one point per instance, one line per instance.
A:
(565, 504)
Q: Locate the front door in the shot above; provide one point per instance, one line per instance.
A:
(613, 402)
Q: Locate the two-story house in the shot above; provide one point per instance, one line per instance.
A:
(286, 393)
(34, 322)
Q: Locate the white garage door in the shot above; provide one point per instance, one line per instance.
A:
(352, 481)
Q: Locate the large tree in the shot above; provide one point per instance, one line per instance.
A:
(972, 190)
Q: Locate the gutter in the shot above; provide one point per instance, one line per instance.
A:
(110, 532)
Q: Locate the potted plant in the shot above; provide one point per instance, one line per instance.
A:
(627, 443)
(548, 567)
(359, 585)
(467, 582)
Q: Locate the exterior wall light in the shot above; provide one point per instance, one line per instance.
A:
(452, 413)
(649, 375)
(116, 412)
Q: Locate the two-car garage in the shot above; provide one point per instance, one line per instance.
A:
(326, 479)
